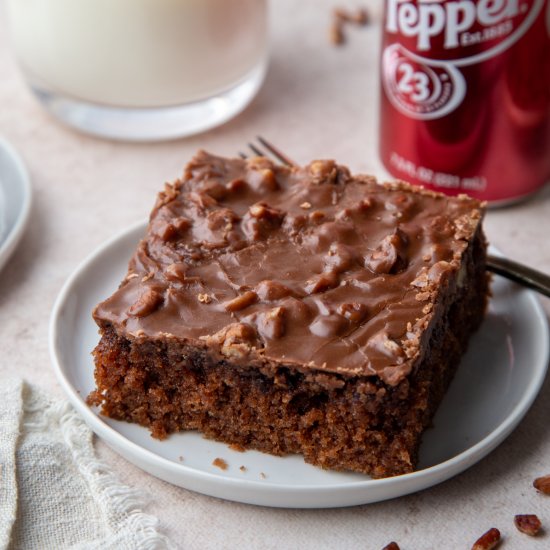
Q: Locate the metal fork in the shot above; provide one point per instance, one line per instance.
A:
(519, 273)
(274, 151)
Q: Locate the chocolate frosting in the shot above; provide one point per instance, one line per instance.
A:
(309, 267)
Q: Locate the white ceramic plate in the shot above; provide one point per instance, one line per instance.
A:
(15, 200)
(497, 382)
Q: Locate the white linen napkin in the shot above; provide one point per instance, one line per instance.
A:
(54, 492)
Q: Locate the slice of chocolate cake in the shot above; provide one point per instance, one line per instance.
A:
(294, 310)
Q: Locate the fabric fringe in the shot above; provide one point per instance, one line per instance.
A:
(122, 506)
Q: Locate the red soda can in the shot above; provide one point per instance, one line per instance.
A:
(465, 100)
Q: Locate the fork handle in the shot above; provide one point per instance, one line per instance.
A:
(520, 273)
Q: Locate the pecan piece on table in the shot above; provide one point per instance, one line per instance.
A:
(488, 540)
(342, 17)
(528, 523)
(542, 484)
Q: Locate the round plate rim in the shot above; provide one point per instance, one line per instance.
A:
(411, 482)
(15, 231)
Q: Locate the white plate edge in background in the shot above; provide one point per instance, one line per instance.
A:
(14, 231)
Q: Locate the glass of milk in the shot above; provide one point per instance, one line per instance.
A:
(141, 69)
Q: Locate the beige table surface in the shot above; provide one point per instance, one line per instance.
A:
(317, 101)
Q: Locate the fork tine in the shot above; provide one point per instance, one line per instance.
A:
(275, 152)
(256, 151)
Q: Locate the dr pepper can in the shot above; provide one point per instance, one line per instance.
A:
(465, 100)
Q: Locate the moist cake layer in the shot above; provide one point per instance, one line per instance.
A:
(294, 310)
